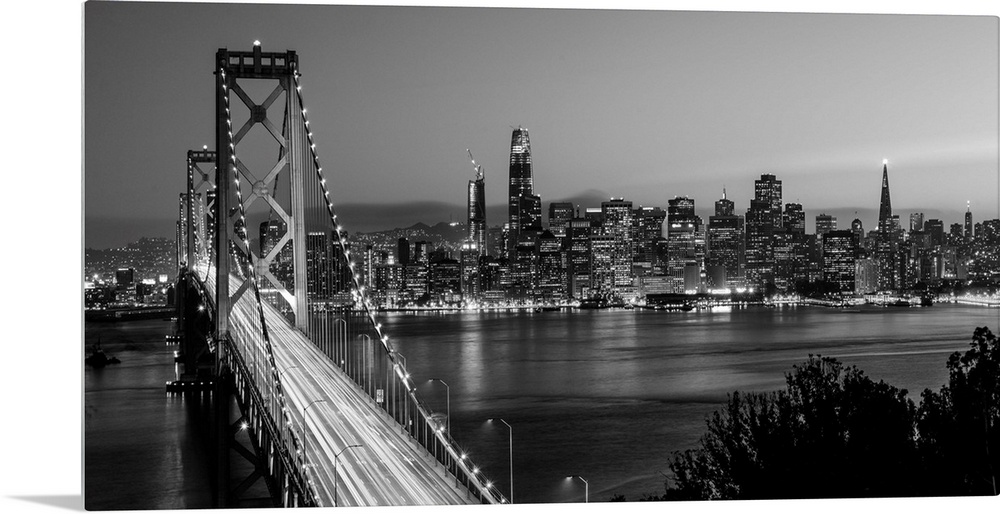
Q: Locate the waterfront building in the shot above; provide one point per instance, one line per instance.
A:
(762, 219)
(682, 228)
(647, 228)
(469, 263)
(839, 256)
(725, 245)
(865, 276)
(602, 270)
(551, 284)
(579, 232)
(617, 216)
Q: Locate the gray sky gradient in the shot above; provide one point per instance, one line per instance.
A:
(641, 104)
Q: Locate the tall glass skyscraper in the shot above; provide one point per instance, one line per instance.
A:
(520, 183)
(477, 211)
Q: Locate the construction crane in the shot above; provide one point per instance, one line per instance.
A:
(480, 174)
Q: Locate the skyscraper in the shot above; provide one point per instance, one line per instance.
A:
(520, 185)
(839, 255)
(762, 219)
(617, 214)
(968, 222)
(559, 215)
(682, 228)
(887, 244)
(825, 223)
(885, 205)
(725, 246)
(477, 211)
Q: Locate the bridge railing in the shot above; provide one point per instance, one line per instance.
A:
(343, 335)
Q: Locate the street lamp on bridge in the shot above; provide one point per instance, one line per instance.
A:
(448, 393)
(305, 438)
(335, 457)
(510, 440)
(586, 487)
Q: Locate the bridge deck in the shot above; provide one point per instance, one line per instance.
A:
(390, 468)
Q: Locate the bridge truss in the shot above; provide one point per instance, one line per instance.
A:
(293, 321)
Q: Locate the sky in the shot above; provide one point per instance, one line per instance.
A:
(645, 105)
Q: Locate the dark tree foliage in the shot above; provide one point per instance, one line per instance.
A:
(834, 432)
(959, 426)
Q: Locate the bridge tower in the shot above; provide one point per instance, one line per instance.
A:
(199, 239)
(235, 70)
(242, 268)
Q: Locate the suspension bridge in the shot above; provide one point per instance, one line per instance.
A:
(312, 404)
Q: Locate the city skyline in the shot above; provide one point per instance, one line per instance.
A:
(686, 114)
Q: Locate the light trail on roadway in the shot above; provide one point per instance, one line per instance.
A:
(330, 412)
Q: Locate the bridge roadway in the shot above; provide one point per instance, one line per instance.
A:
(390, 468)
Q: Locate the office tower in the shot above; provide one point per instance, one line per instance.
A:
(887, 244)
(955, 235)
(763, 218)
(794, 218)
(271, 233)
(602, 261)
(968, 222)
(124, 277)
(469, 262)
(839, 256)
(865, 276)
(617, 215)
(530, 214)
(551, 275)
(859, 231)
(725, 244)
(579, 232)
(936, 229)
(477, 211)
(768, 189)
(403, 251)
(885, 204)
(916, 221)
(682, 228)
(647, 227)
(520, 185)
(825, 223)
(444, 280)
(318, 266)
(724, 206)
(421, 252)
(759, 231)
(559, 215)
(596, 217)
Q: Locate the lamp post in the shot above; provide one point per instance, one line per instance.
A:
(305, 438)
(448, 393)
(510, 440)
(335, 457)
(586, 487)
